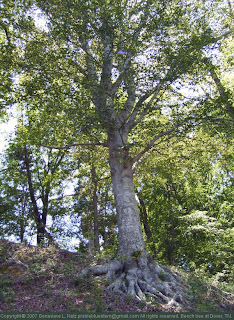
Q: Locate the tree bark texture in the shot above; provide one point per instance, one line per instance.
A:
(130, 235)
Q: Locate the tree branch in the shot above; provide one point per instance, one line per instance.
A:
(167, 133)
(64, 196)
(120, 78)
(132, 118)
(224, 35)
(132, 121)
(6, 32)
(92, 73)
(59, 159)
(152, 142)
(223, 93)
(66, 147)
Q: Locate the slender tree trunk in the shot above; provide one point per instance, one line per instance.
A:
(95, 211)
(91, 242)
(36, 214)
(144, 219)
(45, 201)
(22, 217)
(172, 222)
(172, 242)
(21, 230)
(130, 235)
(40, 234)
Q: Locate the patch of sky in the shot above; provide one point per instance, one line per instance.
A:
(7, 128)
(40, 19)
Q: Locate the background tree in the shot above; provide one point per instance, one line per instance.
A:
(187, 197)
(15, 203)
(93, 200)
(34, 176)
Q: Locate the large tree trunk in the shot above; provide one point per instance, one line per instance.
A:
(129, 226)
(133, 271)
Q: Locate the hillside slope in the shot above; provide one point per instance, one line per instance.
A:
(47, 280)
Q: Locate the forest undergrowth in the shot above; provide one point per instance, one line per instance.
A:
(48, 280)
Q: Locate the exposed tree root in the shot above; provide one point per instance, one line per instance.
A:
(141, 277)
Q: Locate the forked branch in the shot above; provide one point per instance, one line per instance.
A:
(167, 133)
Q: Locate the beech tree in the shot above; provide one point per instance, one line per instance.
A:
(121, 65)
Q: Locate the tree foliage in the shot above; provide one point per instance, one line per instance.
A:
(147, 83)
(188, 202)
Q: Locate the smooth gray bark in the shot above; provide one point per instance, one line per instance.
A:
(129, 226)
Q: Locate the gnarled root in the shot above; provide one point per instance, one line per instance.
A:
(141, 277)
